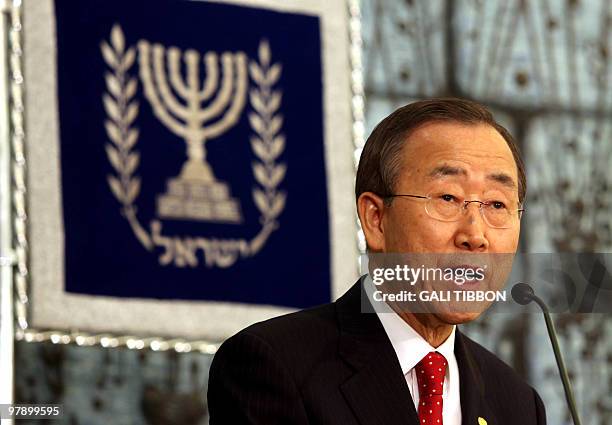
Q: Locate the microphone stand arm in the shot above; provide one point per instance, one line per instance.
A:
(550, 327)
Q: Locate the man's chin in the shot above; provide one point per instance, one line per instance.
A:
(457, 318)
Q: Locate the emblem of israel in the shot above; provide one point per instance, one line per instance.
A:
(197, 96)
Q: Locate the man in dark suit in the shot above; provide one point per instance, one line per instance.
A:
(436, 176)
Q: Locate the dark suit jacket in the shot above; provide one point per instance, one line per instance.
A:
(335, 365)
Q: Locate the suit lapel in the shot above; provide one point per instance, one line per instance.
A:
(377, 391)
(473, 391)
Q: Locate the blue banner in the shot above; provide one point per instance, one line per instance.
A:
(192, 152)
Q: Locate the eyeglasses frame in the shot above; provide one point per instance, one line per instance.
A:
(465, 205)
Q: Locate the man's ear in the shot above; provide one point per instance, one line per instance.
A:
(370, 208)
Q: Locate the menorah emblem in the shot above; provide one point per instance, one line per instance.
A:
(197, 117)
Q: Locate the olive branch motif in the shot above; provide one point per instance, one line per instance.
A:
(267, 143)
(122, 111)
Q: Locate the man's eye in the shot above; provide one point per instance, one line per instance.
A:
(448, 198)
(498, 205)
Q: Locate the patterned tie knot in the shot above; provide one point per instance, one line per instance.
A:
(430, 373)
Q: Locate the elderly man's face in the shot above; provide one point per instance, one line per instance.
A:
(467, 162)
(473, 162)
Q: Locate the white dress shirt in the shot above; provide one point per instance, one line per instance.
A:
(410, 348)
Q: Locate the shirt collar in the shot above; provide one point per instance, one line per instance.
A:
(409, 346)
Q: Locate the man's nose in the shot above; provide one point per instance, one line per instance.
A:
(470, 233)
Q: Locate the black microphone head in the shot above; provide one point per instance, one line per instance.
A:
(522, 293)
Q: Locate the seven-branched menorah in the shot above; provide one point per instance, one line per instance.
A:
(195, 194)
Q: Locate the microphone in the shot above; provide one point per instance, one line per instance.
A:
(523, 294)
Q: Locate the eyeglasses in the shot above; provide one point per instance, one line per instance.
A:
(447, 207)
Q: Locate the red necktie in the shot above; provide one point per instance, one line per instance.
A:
(430, 376)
